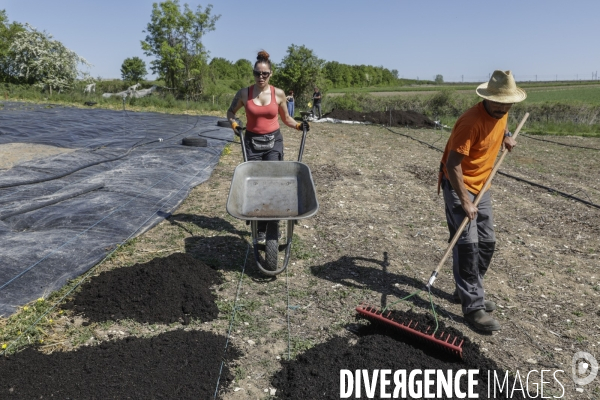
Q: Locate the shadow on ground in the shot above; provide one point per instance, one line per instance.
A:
(376, 277)
(229, 251)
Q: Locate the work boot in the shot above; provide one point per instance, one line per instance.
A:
(482, 321)
(489, 305)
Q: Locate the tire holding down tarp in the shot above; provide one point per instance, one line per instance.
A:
(194, 142)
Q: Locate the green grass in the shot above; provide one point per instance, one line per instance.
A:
(428, 86)
(161, 101)
(556, 108)
(570, 95)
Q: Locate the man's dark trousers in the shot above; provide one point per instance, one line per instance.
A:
(473, 252)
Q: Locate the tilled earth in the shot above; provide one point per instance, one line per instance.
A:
(379, 233)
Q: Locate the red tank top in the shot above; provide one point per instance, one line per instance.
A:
(262, 119)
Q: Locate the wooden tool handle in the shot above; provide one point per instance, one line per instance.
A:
(465, 221)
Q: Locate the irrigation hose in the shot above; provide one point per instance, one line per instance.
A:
(92, 226)
(561, 144)
(434, 313)
(50, 202)
(62, 175)
(552, 190)
(85, 276)
(402, 299)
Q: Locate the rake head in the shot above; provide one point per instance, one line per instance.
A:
(442, 340)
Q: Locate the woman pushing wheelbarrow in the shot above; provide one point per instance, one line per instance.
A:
(265, 193)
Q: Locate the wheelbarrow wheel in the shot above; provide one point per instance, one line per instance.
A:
(272, 246)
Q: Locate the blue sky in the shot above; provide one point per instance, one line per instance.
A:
(462, 40)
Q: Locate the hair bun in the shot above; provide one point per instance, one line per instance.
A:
(262, 56)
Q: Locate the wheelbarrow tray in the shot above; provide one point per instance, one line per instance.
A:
(272, 190)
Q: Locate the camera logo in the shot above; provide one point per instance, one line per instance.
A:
(585, 368)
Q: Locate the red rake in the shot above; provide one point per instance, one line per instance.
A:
(449, 343)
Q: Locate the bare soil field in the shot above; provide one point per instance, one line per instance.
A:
(15, 153)
(379, 233)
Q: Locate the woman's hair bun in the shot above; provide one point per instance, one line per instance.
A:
(262, 56)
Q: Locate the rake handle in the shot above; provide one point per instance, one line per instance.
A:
(465, 221)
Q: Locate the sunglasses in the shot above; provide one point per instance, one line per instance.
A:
(264, 74)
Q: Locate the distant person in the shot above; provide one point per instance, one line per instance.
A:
(467, 162)
(290, 103)
(317, 103)
(262, 102)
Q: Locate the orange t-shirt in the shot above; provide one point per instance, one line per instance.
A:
(479, 137)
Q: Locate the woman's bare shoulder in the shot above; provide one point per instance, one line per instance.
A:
(280, 94)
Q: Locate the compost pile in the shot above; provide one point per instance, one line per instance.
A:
(411, 119)
(315, 374)
(165, 290)
(177, 364)
(172, 365)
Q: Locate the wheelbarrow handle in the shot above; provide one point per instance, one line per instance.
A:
(301, 152)
(242, 137)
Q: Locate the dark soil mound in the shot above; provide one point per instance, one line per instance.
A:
(412, 119)
(173, 365)
(316, 373)
(164, 290)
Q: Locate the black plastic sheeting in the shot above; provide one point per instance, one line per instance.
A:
(56, 229)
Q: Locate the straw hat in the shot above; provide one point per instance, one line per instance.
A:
(501, 88)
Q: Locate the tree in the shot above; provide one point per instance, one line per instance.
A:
(8, 33)
(336, 73)
(439, 79)
(174, 38)
(300, 71)
(222, 68)
(133, 70)
(243, 70)
(37, 59)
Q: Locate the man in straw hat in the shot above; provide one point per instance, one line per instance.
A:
(466, 164)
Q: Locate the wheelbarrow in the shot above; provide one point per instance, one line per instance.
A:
(272, 191)
(306, 114)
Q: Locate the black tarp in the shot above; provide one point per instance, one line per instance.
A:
(55, 230)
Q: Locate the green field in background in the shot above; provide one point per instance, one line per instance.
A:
(570, 94)
(537, 92)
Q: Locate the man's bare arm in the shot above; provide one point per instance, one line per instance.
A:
(455, 176)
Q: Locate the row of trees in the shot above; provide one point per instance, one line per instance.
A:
(343, 75)
(301, 70)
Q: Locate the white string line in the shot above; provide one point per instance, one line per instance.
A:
(232, 320)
